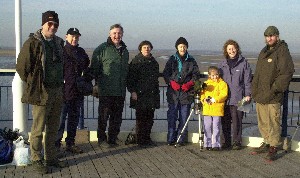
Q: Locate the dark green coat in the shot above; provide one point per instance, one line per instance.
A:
(143, 79)
(273, 73)
(110, 66)
(31, 66)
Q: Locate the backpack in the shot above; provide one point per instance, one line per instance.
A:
(131, 138)
(6, 145)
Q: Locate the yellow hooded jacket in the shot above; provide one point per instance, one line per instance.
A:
(217, 90)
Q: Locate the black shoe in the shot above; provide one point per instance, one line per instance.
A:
(39, 167)
(171, 143)
(103, 144)
(215, 149)
(74, 149)
(208, 148)
(237, 146)
(264, 148)
(272, 154)
(179, 144)
(226, 146)
(56, 163)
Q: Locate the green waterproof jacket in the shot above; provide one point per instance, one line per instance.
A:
(109, 66)
(31, 68)
(274, 71)
(143, 79)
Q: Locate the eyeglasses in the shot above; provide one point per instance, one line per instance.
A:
(54, 24)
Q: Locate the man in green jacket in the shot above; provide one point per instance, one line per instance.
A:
(274, 71)
(109, 66)
(40, 66)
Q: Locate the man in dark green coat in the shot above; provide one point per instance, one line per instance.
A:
(142, 83)
(274, 71)
(109, 66)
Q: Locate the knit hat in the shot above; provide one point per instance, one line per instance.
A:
(181, 40)
(271, 30)
(73, 31)
(49, 16)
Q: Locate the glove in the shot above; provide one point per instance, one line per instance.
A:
(188, 85)
(174, 85)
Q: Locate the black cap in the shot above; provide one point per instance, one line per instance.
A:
(181, 40)
(73, 31)
(49, 16)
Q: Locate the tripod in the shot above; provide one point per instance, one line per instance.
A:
(196, 109)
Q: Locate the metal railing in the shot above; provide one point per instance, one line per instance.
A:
(290, 108)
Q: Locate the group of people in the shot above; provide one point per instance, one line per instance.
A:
(50, 69)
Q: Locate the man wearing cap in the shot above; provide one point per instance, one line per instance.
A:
(109, 66)
(274, 71)
(180, 73)
(75, 62)
(40, 66)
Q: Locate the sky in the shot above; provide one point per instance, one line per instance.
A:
(205, 24)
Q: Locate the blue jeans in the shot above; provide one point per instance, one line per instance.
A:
(181, 113)
(81, 114)
(70, 109)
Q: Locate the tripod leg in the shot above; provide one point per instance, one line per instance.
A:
(201, 134)
(183, 129)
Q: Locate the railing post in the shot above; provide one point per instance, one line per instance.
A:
(284, 113)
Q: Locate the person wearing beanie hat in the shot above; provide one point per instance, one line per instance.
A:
(180, 73)
(40, 66)
(76, 61)
(273, 73)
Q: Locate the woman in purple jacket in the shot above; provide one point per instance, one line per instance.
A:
(236, 72)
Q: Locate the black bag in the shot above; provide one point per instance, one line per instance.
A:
(84, 86)
(131, 138)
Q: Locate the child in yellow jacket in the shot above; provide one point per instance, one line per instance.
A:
(213, 98)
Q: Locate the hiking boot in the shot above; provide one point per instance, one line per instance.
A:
(226, 146)
(39, 167)
(74, 149)
(171, 144)
(272, 154)
(264, 148)
(215, 149)
(236, 146)
(208, 148)
(56, 163)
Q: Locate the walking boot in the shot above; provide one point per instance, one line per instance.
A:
(272, 154)
(39, 167)
(264, 148)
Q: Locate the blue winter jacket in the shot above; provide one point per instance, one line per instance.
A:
(238, 79)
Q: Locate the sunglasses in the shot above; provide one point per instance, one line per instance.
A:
(54, 24)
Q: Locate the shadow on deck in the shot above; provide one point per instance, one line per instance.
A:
(164, 161)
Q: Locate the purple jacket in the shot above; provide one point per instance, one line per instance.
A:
(74, 56)
(238, 79)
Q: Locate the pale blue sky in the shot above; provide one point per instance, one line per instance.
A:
(205, 24)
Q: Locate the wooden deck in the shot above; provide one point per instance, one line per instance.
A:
(164, 161)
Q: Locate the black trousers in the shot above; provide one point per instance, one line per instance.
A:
(110, 108)
(144, 123)
(232, 118)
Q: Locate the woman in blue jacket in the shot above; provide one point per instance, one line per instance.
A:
(236, 72)
(180, 73)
